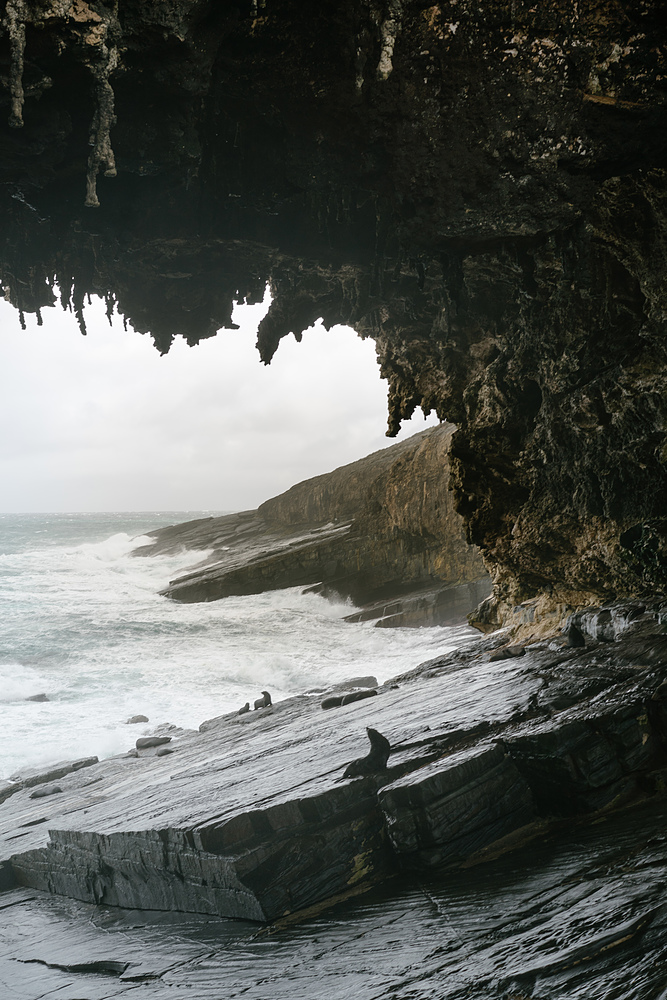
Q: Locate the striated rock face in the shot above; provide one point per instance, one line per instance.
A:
(480, 188)
(254, 816)
(382, 531)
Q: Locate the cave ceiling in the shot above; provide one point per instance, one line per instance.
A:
(479, 187)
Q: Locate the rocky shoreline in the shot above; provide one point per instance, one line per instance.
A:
(252, 818)
(494, 757)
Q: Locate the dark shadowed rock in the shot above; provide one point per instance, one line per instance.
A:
(136, 719)
(574, 637)
(37, 697)
(486, 931)
(456, 806)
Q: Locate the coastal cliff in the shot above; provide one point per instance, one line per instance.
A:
(382, 531)
(479, 188)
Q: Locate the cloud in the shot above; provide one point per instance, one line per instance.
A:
(105, 423)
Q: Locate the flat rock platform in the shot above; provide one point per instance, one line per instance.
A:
(251, 817)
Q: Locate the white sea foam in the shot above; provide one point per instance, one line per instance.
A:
(85, 625)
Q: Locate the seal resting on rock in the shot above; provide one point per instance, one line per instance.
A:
(507, 653)
(144, 742)
(375, 760)
(246, 708)
(41, 793)
(264, 701)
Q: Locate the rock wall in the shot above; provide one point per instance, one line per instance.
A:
(480, 188)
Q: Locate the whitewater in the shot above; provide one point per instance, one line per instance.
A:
(82, 622)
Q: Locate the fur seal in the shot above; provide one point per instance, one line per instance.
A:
(357, 696)
(507, 653)
(41, 793)
(246, 708)
(264, 701)
(333, 701)
(151, 741)
(375, 760)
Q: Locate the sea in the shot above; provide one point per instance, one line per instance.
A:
(82, 622)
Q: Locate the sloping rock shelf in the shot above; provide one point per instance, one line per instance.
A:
(251, 817)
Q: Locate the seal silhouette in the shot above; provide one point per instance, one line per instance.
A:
(375, 760)
(264, 701)
(246, 708)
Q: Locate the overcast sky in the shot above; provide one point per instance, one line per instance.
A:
(102, 422)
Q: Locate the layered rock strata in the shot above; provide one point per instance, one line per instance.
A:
(253, 818)
(382, 531)
(480, 188)
(573, 916)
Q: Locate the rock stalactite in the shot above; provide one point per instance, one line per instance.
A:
(91, 32)
(389, 29)
(15, 24)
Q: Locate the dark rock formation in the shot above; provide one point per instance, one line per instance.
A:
(482, 759)
(481, 189)
(578, 915)
(382, 531)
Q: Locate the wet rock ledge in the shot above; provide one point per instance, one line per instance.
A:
(382, 531)
(252, 816)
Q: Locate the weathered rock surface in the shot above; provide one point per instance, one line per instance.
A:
(29, 777)
(382, 531)
(572, 916)
(252, 817)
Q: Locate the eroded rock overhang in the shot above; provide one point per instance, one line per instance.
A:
(480, 188)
